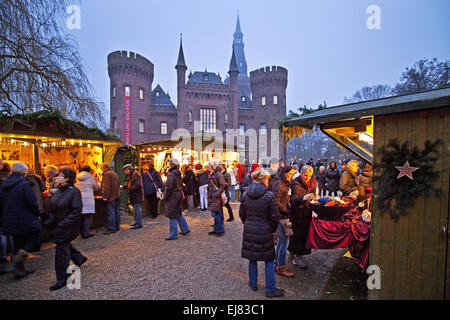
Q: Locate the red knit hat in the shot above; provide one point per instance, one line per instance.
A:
(197, 166)
(254, 166)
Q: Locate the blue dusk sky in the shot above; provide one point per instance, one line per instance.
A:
(325, 45)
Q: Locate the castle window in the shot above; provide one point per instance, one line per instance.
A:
(263, 100)
(141, 94)
(157, 93)
(114, 92)
(127, 91)
(208, 120)
(163, 127)
(263, 129)
(243, 98)
(113, 123)
(241, 129)
(141, 126)
(275, 99)
(205, 78)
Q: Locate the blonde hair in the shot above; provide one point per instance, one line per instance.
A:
(259, 174)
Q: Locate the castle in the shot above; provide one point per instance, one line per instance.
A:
(140, 114)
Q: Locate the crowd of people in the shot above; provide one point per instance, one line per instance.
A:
(274, 199)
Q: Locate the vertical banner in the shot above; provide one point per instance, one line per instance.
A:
(127, 118)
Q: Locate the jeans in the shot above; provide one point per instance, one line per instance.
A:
(218, 222)
(113, 215)
(137, 213)
(86, 224)
(270, 275)
(203, 190)
(232, 193)
(181, 221)
(282, 244)
(63, 254)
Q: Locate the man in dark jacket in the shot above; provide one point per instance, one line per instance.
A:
(321, 178)
(111, 195)
(20, 217)
(216, 186)
(333, 179)
(348, 182)
(152, 181)
(300, 215)
(66, 206)
(135, 193)
(280, 189)
(173, 197)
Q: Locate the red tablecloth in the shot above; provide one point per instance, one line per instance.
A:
(349, 232)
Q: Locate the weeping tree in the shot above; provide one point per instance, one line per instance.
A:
(40, 67)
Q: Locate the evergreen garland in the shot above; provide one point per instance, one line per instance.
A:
(405, 190)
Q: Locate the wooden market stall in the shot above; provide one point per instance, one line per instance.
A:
(410, 217)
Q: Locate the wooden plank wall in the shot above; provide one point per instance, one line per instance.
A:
(413, 252)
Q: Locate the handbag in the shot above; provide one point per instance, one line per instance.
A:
(223, 195)
(159, 193)
(287, 227)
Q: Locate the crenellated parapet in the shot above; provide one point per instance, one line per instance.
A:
(269, 77)
(130, 63)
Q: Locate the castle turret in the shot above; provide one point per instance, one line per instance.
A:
(181, 83)
(234, 73)
(130, 75)
(269, 98)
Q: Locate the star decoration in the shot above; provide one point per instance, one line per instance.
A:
(406, 170)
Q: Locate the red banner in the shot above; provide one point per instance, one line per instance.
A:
(127, 118)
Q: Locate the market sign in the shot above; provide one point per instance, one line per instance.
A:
(127, 117)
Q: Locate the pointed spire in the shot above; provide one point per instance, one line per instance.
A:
(181, 62)
(233, 63)
(238, 25)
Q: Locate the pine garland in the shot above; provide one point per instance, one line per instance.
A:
(404, 190)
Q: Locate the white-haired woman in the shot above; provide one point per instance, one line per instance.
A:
(20, 217)
(348, 182)
(302, 191)
(257, 212)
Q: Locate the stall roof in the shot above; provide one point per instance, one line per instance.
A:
(403, 103)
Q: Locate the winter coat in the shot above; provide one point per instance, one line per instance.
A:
(232, 173)
(365, 179)
(135, 187)
(300, 215)
(150, 179)
(173, 195)
(280, 189)
(110, 186)
(227, 178)
(321, 179)
(246, 183)
(241, 173)
(202, 177)
(348, 183)
(333, 179)
(87, 186)
(189, 183)
(20, 209)
(216, 186)
(66, 206)
(38, 188)
(257, 212)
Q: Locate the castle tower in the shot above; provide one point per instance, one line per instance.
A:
(181, 83)
(234, 73)
(269, 103)
(131, 77)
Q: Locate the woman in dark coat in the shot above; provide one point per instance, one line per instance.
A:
(216, 186)
(66, 206)
(20, 217)
(257, 212)
(302, 190)
(152, 180)
(190, 186)
(333, 178)
(172, 198)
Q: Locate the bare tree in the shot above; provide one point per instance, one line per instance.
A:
(370, 93)
(423, 75)
(40, 67)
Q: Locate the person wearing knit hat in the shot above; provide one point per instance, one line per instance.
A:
(248, 180)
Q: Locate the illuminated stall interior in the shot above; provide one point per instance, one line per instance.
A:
(54, 143)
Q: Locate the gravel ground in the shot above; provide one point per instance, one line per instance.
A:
(140, 264)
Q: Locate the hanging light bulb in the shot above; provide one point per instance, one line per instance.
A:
(44, 145)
